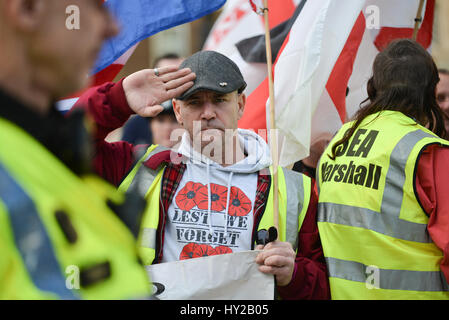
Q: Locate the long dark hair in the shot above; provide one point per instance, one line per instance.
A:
(404, 79)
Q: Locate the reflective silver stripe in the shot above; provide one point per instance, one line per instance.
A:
(141, 183)
(32, 241)
(317, 174)
(295, 200)
(145, 176)
(388, 278)
(148, 239)
(364, 218)
(143, 180)
(394, 183)
(387, 221)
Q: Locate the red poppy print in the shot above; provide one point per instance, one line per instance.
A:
(222, 250)
(239, 204)
(218, 198)
(185, 199)
(193, 250)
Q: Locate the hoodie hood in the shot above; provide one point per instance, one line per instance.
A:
(256, 150)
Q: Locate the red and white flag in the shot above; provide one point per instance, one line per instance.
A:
(396, 20)
(312, 44)
(302, 70)
(238, 22)
(304, 120)
(379, 23)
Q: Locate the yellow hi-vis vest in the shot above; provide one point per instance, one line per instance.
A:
(58, 238)
(294, 197)
(372, 227)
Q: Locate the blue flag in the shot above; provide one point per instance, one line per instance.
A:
(139, 19)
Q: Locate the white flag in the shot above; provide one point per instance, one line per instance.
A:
(316, 39)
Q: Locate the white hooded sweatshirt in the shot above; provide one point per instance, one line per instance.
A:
(212, 210)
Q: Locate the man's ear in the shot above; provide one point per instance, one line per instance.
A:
(26, 15)
(241, 102)
(177, 110)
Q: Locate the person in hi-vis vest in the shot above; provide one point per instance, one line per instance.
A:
(64, 232)
(383, 212)
(214, 197)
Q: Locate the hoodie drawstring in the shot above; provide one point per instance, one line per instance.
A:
(209, 201)
(227, 202)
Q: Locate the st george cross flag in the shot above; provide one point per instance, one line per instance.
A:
(385, 21)
(377, 23)
(380, 22)
(138, 20)
(238, 22)
(312, 42)
(303, 66)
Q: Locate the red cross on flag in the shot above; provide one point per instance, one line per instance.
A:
(351, 40)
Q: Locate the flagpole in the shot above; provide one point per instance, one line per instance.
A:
(273, 136)
(418, 20)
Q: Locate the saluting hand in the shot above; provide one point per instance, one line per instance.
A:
(145, 90)
(277, 258)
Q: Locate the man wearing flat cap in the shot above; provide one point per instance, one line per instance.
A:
(214, 194)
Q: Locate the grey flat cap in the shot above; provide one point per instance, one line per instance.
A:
(214, 72)
(168, 108)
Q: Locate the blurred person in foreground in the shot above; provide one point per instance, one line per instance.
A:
(140, 130)
(383, 211)
(443, 97)
(211, 198)
(58, 237)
